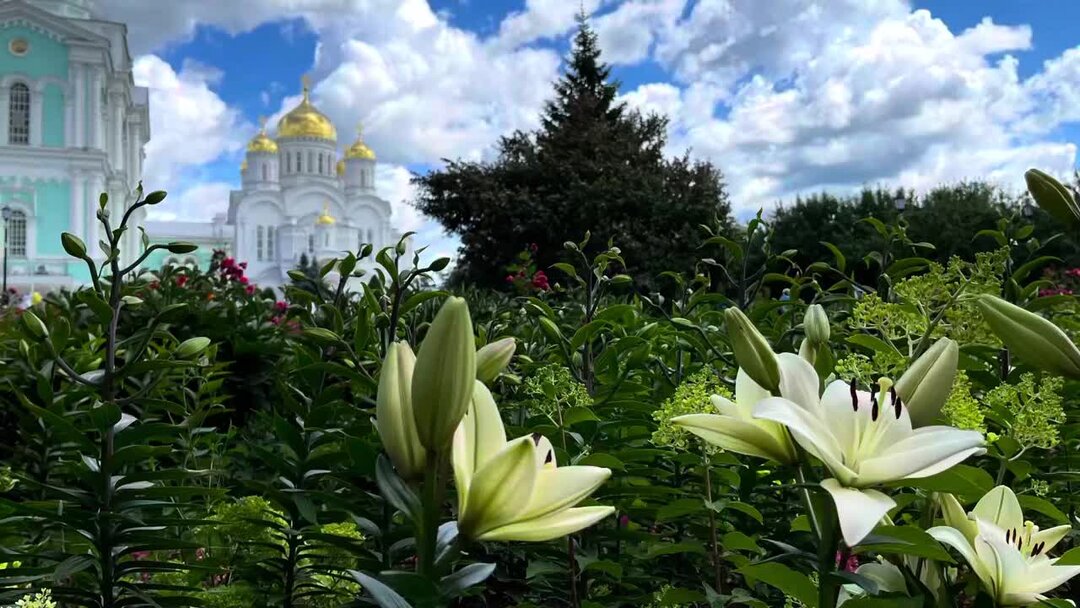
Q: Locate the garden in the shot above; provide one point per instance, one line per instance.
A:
(888, 431)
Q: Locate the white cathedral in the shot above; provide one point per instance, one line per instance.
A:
(297, 198)
(72, 125)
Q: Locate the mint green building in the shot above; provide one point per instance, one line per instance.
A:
(72, 125)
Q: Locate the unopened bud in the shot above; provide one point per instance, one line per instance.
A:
(73, 245)
(1031, 337)
(927, 383)
(1053, 197)
(816, 325)
(394, 412)
(34, 325)
(444, 375)
(493, 358)
(192, 347)
(752, 350)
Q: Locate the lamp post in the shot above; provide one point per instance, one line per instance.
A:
(900, 201)
(6, 213)
(1027, 209)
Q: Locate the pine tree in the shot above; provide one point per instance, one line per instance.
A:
(592, 165)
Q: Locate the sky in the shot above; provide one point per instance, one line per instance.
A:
(786, 97)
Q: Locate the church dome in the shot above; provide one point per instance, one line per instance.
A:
(262, 142)
(359, 149)
(305, 120)
(325, 219)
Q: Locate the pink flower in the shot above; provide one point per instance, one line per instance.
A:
(851, 564)
(533, 247)
(281, 306)
(249, 290)
(140, 555)
(181, 280)
(624, 520)
(244, 281)
(228, 263)
(275, 320)
(540, 281)
(509, 278)
(200, 553)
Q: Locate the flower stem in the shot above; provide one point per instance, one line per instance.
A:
(428, 531)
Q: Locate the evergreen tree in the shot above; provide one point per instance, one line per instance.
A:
(593, 165)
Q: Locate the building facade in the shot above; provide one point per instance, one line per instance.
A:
(298, 197)
(72, 125)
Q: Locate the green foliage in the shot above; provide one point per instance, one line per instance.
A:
(1032, 409)
(690, 397)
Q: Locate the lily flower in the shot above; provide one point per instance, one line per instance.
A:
(735, 429)
(515, 490)
(866, 439)
(1007, 553)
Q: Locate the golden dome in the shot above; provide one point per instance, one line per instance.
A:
(243, 166)
(359, 149)
(306, 121)
(341, 167)
(262, 141)
(325, 219)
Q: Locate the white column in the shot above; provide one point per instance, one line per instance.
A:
(37, 95)
(78, 205)
(129, 155)
(4, 100)
(96, 128)
(97, 186)
(118, 133)
(80, 105)
(69, 116)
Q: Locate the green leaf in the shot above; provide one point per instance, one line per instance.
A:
(394, 489)
(962, 480)
(468, 576)
(904, 540)
(841, 261)
(1041, 505)
(599, 459)
(679, 508)
(383, 595)
(659, 549)
(785, 579)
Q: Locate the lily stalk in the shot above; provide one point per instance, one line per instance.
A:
(1007, 553)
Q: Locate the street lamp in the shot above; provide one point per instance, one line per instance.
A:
(6, 213)
(900, 202)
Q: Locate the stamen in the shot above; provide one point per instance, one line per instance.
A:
(873, 407)
(897, 403)
(854, 395)
(550, 456)
(1008, 536)
(536, 437)
(1037, 549)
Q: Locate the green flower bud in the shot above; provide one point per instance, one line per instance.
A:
(752, 350)
(1031, 337)
(1053, 197)
(927, 384)
(444, 375)
(34, 325)
(816, 325)
(394, 412)
(192, 347)
(493, 358)
(73, 245)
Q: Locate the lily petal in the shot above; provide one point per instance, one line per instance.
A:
(929, 451)
(478, 438)
(1050, 537)
(563, 487)
(799, 382)
(550, 527)
(809, 430)
(955, 539)
(760, 438)
(955, 517)
(500, 489)
(1001, 508)
(747, 393)
(858, 510)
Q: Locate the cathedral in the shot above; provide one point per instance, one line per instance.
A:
(72, 125)
(76, 125)
(297, 198)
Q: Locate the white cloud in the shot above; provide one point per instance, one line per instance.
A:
(190, 127)
(541, 19)
(628, 32)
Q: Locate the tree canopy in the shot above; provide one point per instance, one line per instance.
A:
(593, 165)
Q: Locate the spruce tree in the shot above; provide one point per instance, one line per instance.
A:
(592, 165)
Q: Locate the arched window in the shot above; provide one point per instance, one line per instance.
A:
(16, 234)
(19, 115)
(320, 164)
(311, 243)
(266, 172)
(259, 236)
(310, 162)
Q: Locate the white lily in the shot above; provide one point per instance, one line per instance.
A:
(515, 490)
(1007, 553)
(866, 439)
(889, 579)
(735, 429)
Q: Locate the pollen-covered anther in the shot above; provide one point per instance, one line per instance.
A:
(873, 407)
(854, 395)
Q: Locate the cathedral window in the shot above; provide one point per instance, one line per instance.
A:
(288, 163)
(16, 234)
(259, 236)
(310, 162)
(19, 115)
(320, 164)
(265, 172)
(271, 236)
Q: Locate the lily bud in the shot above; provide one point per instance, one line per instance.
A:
(394, 412)
(492, 359)
(192, 347)
(1031, 337)
(926, 385)
(752, 350)
(816, 325)
(34, 325)
(442, 383)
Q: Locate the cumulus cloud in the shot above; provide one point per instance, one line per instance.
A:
(190, 127)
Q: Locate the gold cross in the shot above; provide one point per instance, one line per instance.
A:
(359, 130)
(306, 81)
(262, 123)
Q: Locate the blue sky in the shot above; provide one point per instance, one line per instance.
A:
(785, 97)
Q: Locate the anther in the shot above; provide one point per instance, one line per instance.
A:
(536, 437)
(873, 407)
(550, 456)
(854, 395)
